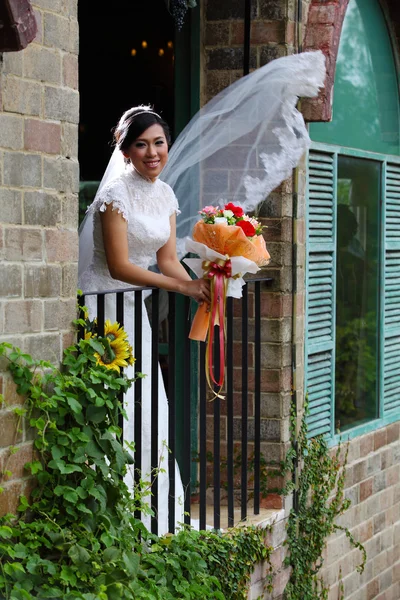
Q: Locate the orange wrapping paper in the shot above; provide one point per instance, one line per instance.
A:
(230, 240)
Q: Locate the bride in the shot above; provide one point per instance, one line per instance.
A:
(130, 225)
(238, 148)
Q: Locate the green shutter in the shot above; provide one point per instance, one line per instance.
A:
(391, 333)
(320, 289)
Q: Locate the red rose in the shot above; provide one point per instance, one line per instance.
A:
(237, 210)
(248, 229)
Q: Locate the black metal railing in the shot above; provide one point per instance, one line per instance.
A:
(211, 492)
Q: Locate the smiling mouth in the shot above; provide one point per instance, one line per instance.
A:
(152, 164)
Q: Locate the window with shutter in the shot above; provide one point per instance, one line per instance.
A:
(353, 237)
(320, 292)
(391, 337)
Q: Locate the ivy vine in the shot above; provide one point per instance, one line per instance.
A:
(319, 498)
(77, 537)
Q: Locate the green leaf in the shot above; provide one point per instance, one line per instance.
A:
(78, 554)
(52, 593)
(107, 539)
(57, 452)
(131, 562)
(96, 345)
(13, 568)
(96, 414)
(67, 469)
(74, 405)
(34, 467)
(68, 575)
(111, 554)
(71, 496)
(5, 532)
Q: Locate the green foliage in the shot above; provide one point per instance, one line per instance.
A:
(319, 500)
(77, 536)
(356, 348)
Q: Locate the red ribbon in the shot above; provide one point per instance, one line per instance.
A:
(219, 272)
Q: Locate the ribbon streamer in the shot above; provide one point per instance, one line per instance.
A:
(225, 275)
(218, 272)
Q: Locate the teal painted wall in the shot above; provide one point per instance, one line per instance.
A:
(366, 99)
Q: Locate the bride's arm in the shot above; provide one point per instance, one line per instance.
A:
(167, 259)
(115, 241)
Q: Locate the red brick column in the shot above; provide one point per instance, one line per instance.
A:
(323, 30)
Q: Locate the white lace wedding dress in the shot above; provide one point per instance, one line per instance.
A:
(147, 208)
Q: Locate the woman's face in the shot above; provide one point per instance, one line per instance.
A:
(149, 152)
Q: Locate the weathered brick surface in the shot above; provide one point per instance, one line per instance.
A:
(44, 281)
(23, 244)
(70, 71)
(39, 112)
(22, 170)
(25, 316)
(69, 140)
(61, 104)
(42, 136)
(43, 64)
(11, 206)
(374, 519)
(21, 96)
(61, 174)
(11, 132)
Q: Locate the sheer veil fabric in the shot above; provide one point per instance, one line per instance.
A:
(245, 141)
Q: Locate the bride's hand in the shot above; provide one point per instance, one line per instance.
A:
(199, 289)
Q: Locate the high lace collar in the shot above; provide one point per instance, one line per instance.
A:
(138, 177)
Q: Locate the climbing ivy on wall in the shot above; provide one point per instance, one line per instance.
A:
(77, 536)
(319, 499)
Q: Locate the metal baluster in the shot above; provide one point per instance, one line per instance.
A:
(244, 400)
(154, 410)
(217, 438)
(229, 399)
(120, 319)
(81, 329)
(203, 439)
(186, 413)
(100, 314)
(171, 411)
(138, 392)
(257, 395)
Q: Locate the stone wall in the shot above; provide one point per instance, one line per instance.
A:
(39, 178)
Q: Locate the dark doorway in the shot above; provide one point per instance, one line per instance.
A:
(126, 57)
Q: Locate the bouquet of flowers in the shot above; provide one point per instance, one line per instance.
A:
(229, 244)
(231, 232)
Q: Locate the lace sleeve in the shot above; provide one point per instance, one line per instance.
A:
(115, 193)
(173, 205)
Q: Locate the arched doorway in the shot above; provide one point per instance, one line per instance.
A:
(353, 236)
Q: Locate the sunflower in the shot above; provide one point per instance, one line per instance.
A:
(117, 350)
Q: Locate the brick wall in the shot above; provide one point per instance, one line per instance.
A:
(373, 470)
(373, 485)
(274, 33)
(39, 178)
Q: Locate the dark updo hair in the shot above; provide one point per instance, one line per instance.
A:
(134, 122)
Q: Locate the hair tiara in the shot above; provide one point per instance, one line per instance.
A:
(145, 112)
